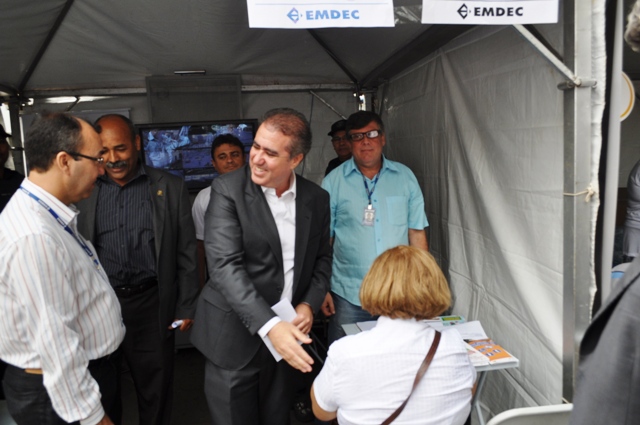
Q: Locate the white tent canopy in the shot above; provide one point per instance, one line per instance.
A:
(475, 112)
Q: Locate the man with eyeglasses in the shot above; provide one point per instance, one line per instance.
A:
(376, 204)
(227, 154)
(267, 243)
(340, 144)
(139, 219)
(61, 325)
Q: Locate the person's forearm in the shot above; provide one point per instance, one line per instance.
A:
(318, 411)
(418, 239)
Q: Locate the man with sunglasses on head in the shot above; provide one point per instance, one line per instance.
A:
(376, 204)
(340, 144)
(61, 325)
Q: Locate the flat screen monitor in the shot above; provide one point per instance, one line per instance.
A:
(184, 149)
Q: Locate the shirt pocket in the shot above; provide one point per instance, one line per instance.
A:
(398, 210)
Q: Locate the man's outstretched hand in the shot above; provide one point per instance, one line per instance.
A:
(285, 336)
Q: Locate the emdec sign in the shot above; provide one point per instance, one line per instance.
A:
(483, 12)
(320, 14)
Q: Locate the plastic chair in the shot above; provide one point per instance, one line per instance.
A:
(557, 414)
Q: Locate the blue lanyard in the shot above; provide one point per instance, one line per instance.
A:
(373, 185)
(65, 226)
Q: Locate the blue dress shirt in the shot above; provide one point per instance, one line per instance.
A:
(399, 206)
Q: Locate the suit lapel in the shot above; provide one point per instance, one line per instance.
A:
(303, 227)
(264, 222)
(158, 191)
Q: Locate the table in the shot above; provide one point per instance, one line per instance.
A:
(352, 329)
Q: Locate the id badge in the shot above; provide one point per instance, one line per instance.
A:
(369, 216)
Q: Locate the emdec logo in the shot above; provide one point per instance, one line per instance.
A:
(294, 15)
(463, 11)
(483, 11)
(323, 14)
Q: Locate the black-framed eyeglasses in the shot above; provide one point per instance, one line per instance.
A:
(99, 160)
(371, 134)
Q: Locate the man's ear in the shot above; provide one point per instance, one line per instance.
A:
(296, 160)
(138, 143)
(63, 162)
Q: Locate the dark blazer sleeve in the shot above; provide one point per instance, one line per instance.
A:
(186, 265)
(608, 384)
(242, 265)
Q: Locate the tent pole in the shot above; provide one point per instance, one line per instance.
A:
(613, 158)
(327, 104)
(578, 274)
(553, 58)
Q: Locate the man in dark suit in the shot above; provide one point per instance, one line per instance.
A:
(266, 240)
(139, 220)
(608, 384)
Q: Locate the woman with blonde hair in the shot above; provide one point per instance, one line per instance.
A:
(367, 376)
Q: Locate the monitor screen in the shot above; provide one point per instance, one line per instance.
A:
(184, 149)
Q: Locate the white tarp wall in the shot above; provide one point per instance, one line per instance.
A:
(481, 124)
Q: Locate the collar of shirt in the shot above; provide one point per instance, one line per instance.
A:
(384, 322)
(66, 213)
(270, 192)
(351, 167)
(140, 172)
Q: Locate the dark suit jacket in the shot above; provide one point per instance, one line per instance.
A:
(175, 240)
(608, 385)
(244, 258)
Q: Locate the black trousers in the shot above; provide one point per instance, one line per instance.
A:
(258, 394)
(149, 353)
(29, 403)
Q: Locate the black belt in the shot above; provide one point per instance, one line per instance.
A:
(95, 363)
(126, 291)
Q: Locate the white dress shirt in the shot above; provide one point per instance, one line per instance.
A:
(57, 307)
(198, 209)
(283, 209)
(367, 376)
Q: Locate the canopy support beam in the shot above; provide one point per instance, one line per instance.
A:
(578, 276)
(426, 43)
(333, 56)
(553, 57)
(45, 45)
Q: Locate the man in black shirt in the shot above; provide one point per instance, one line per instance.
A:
(139, 220)
(340, 144)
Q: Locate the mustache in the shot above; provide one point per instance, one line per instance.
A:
(116, 164)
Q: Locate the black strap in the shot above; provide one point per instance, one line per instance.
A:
(423, 369)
